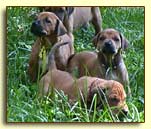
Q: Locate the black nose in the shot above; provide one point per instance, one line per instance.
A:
(36, 23)
(125, 112)
(37, 29)
(108, 44)
(108, 47)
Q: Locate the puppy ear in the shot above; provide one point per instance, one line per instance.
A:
(95, 39)
(96, 90)
(69, 10)
(59, 28)
(124, 42)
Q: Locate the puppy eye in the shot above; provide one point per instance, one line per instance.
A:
(102, 38)
(47, 20)
(115, 100)
(116, 39)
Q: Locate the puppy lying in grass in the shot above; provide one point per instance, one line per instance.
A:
(83, 87)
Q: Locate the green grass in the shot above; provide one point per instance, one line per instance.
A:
(22, 102)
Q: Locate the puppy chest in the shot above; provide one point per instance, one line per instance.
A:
(111, 74)
(43, 59)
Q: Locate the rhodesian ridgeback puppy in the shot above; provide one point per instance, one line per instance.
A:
(74, 17)
(84, 86)
(107, 63)
(49, 29)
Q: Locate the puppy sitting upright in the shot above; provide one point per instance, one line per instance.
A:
(107, 63)
(84, 86)
(49, 30)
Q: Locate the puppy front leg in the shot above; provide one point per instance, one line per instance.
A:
(71, 44)
(33, 62)
(125, 81)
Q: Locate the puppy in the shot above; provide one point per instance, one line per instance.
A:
(74, 17)
(84, 86)
(49, 30)
(61, 12)
(107, 63)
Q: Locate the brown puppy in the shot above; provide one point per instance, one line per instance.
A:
(61, 12)
(84, 86)
(74, 17)
(49, 30)
(107, 63)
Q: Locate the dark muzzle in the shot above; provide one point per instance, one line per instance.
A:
(108, 48)
(37, 29)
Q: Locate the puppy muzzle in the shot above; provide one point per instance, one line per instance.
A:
(37, 29)
(108, 48)
(125, 112)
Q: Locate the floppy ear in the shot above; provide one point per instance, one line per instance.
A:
(96, 90)
(124, 42)
(59, 28)
(95, 39)
(69, 10)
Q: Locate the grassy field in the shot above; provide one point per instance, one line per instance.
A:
(22, 102)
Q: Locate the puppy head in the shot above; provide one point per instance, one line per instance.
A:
(117, 98)
(61, 12)
(114, 93)
(47, 24)
(110, 41)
